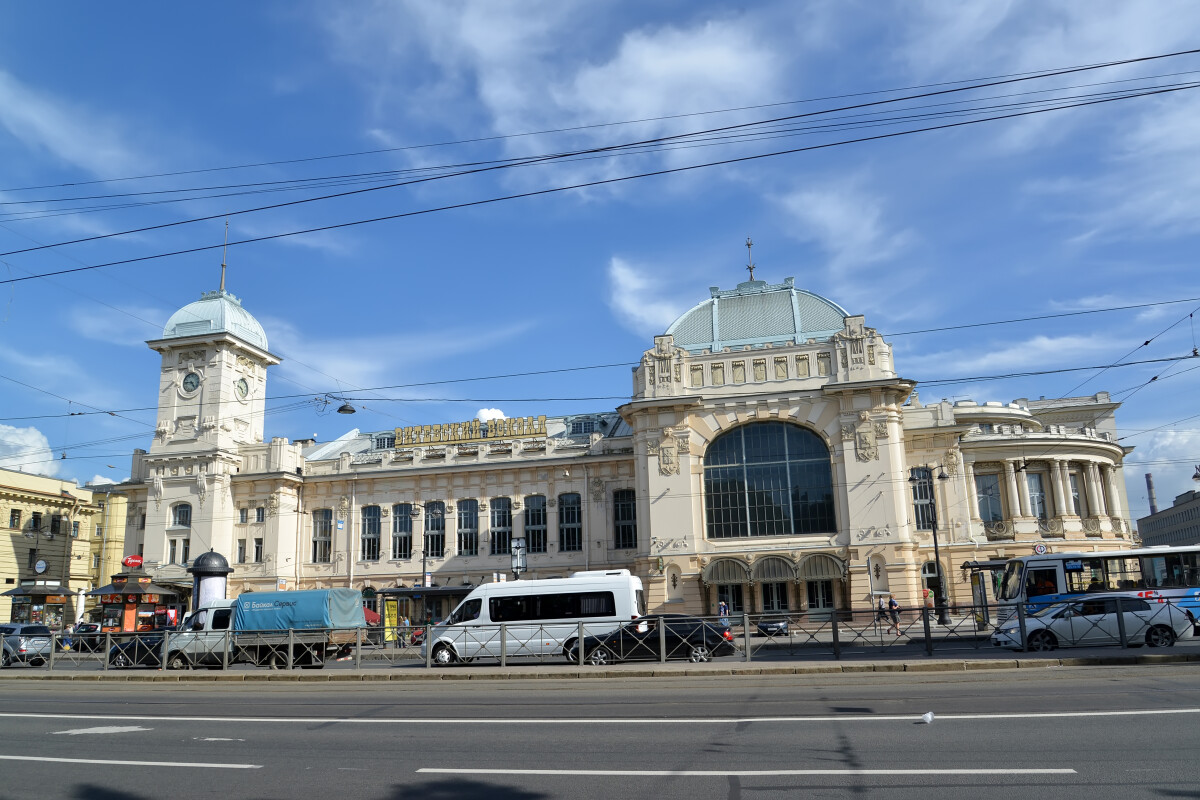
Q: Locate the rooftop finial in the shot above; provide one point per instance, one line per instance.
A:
(750, 257)
(224, 250)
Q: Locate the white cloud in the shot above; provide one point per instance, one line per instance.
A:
(1171, 456)
(488, 414)
(26, 450)
(637, 300)
(846, 220)
(76, 135)
(100, 480)
(126, 327)
(1044, 351)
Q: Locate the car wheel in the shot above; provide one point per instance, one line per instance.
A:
(6, 661)
(119, 660)
(600, 657)
(37, 662)
(1041, 642)
(1160, 636)
(443, 654)
(276, 660)
(699, 654)
(177, 661)
(568, 651)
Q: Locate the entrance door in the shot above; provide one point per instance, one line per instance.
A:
(820, 597)
(731, 595)
(774, 597)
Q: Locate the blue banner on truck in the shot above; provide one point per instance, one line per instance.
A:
(315, 608)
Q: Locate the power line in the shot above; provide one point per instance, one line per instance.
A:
(583, 185)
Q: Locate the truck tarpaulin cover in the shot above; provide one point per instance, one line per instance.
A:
(316, 608)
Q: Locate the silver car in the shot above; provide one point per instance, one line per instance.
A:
(1093, 620)
(25, 643)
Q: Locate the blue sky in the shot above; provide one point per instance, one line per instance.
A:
(1073, 210)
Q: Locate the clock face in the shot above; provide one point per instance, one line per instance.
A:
(191, 382)
(39, 567)
(243, 388)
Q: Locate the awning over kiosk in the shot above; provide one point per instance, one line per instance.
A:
(39, 591)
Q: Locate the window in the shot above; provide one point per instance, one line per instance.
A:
(570, 523)
(924, 513)
(580, 427)
(74, 530)
(781, 367)
(718, 374)
(572, 605)
(1037, 494)
(535, 523)
(760, 369)
(768, 479)
(739, 372)
(697, 373)
(35, 520)
(185, 548)
(322, 535)
(774, 597)
(402, 531)
(95, 561)
(801, 366)
(823, 363)
(385, 442)
(501, 526)
(14, 518)
(241, 551)
(172, 550)
(181, 516)
(220, 620)
(100, 532)
(177, 551)
(435, 529)
(1078, 498)
(260, 514)
(142, 522)
(243, 515)
(258, 550)
(987, 492)
(624, 519)
(55, 524)
(370, 534)
(468, 527)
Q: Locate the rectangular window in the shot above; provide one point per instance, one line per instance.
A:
(435, 529)
(402, 531)
(823, 363)
(186, 546)
(697, 373)
(241, 551)
(1078, 498)
(172, 550)
(369, 550)
(243, 515)
(781, 369)
(987, 492)
(386, 442)
(95, 561)
(922, 493)
(583, 427)
(801, 366)
(468, 527)
(142, 522)
(74, 530)
(260, 514)
(567, 605)
(739, 372)
(501, 526)
(100, 532)
(570, 523)
(14, 518)
(322, 535)
(774, 597)
(258, 550)
(181, 516)
(55, 523)
(535, 523)
(718, 374)
(760, 369)
(624, 520)
(1037, 494)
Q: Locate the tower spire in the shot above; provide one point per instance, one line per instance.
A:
(750, 257)
(224, 250)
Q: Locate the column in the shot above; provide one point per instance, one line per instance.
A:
(1064, 477)
(972, 499)
(1094, 494)
(1113, 497)
(1056, 478)
(1023, 494)
(1014, 494)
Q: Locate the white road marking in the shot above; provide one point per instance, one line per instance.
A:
(607, 720)
(705, 773)
(130, 763)
(214, 739)
(103, 729)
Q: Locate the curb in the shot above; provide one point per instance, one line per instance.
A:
(717, 670)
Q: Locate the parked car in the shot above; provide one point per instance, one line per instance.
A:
(84, 637)
(772, 626)
(641, 640)
(139, 650)
(1093, 620)
(25, 643)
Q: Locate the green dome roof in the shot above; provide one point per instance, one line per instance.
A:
(216, 312)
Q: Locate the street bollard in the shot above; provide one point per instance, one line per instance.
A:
(225, 637)
(50, 661)
(837, 642)
(928, 631)
(107, 648)
(428, 648)
(1121, 623)
(746, 633)
(166, 648)
(662, 641)
(358, 648)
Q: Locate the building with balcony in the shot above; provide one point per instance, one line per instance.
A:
(771, 455)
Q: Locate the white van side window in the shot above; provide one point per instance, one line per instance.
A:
(221, 619)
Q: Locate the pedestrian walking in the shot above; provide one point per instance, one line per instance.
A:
(723, 613)
(893, 607)
(881, 610)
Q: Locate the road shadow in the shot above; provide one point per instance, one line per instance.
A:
(462, 789)
(91, 791)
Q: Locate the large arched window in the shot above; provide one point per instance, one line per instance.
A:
(768, 479)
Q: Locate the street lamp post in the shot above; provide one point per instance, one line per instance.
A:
(939, 595)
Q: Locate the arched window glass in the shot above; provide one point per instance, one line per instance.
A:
(402, 531)
(370, 533)
(181, 516)
(435, 529)
(768, 479)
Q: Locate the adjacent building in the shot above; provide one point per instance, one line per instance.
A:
(1177, 525)
(771, 454)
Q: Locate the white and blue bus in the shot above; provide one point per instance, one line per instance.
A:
(1167, 574)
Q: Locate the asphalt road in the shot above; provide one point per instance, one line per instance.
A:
(1106, 731)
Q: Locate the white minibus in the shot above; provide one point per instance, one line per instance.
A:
(537, 618)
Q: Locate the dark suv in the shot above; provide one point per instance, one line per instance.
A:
(26, 643)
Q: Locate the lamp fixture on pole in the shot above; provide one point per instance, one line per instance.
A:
(939, 595)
